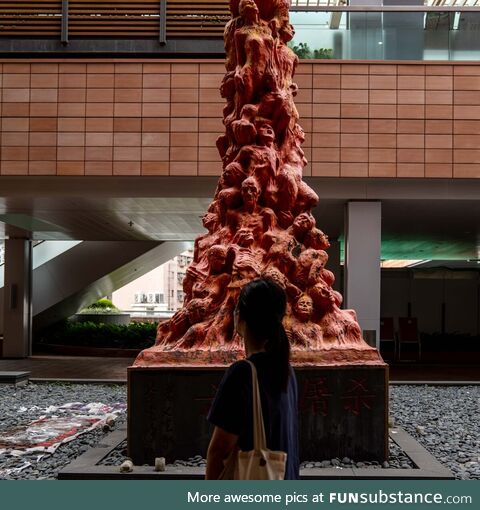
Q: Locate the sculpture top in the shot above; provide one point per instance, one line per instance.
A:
(260, 221)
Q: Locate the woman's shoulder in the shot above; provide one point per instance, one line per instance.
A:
(239, 369)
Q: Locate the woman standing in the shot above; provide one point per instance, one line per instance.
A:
(258, 320)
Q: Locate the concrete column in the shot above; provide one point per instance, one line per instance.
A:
(362, 264)
(17, 307)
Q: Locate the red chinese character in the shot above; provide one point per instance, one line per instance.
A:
(358, 397)
(315, 396)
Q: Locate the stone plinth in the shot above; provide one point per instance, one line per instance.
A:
(15, 378)
(343, 411)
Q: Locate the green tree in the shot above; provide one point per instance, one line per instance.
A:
(323, 53)
(302, 50)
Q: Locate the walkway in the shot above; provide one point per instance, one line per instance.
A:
(71, 367)
(115, 369)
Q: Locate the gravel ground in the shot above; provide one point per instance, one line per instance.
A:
(444, 419)
(397, 460)
(42, 396)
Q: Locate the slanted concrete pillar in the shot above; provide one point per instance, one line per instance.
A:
(17, 306)
(363, 221)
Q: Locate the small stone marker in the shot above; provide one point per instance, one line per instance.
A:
(160, 464)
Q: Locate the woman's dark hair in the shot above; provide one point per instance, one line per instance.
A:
(262, 305)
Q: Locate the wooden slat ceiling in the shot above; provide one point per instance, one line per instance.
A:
(114, 18)
(39, 18)
(136, 18)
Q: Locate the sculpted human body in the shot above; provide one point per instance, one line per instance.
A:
(251, 215)
(254, 45)
(228, 195)
(260, 223)
(300, 328)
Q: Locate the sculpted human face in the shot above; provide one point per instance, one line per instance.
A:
(266, 134)
(301, 133)
(323, 239)
(318, 264)
(324, 294)
(287, 32)
(232, 173)
(209, 220)
(318, 240)
(216, 258)
(250, 192)
(248, 9)
(303, 223)
(245, 237)
(304, 308)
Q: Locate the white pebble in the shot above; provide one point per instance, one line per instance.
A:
(126, 467)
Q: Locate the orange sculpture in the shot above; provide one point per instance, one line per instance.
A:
(260, 221)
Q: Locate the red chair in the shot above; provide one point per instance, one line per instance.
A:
(387, 337)
(408, 335)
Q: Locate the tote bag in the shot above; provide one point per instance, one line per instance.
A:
(259, 463)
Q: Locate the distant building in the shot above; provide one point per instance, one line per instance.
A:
(173, 283)
(158, 293)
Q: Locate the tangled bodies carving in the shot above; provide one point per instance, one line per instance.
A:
(260, 221)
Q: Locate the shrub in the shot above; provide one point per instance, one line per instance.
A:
(101, 306)
(303, 51)
(136, 335)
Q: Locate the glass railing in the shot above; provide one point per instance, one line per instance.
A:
(387, 34)
(2, 250)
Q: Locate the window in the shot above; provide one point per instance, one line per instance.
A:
(140, 298)
(143, 298)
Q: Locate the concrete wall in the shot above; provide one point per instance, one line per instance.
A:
(161, 117)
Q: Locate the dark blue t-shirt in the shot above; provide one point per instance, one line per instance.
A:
(232, 409)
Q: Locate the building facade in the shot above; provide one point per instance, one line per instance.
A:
(112, 140)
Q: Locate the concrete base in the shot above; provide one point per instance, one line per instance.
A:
(15, 378)
(343, 412)
(87, 467)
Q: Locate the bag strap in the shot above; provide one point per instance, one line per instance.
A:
(259, 437)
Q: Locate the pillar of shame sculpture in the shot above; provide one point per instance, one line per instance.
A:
(260, 222)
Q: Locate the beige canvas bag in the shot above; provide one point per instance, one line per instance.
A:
(259, 463)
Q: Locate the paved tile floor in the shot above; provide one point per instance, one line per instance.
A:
(115, 369)
(71, 367)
